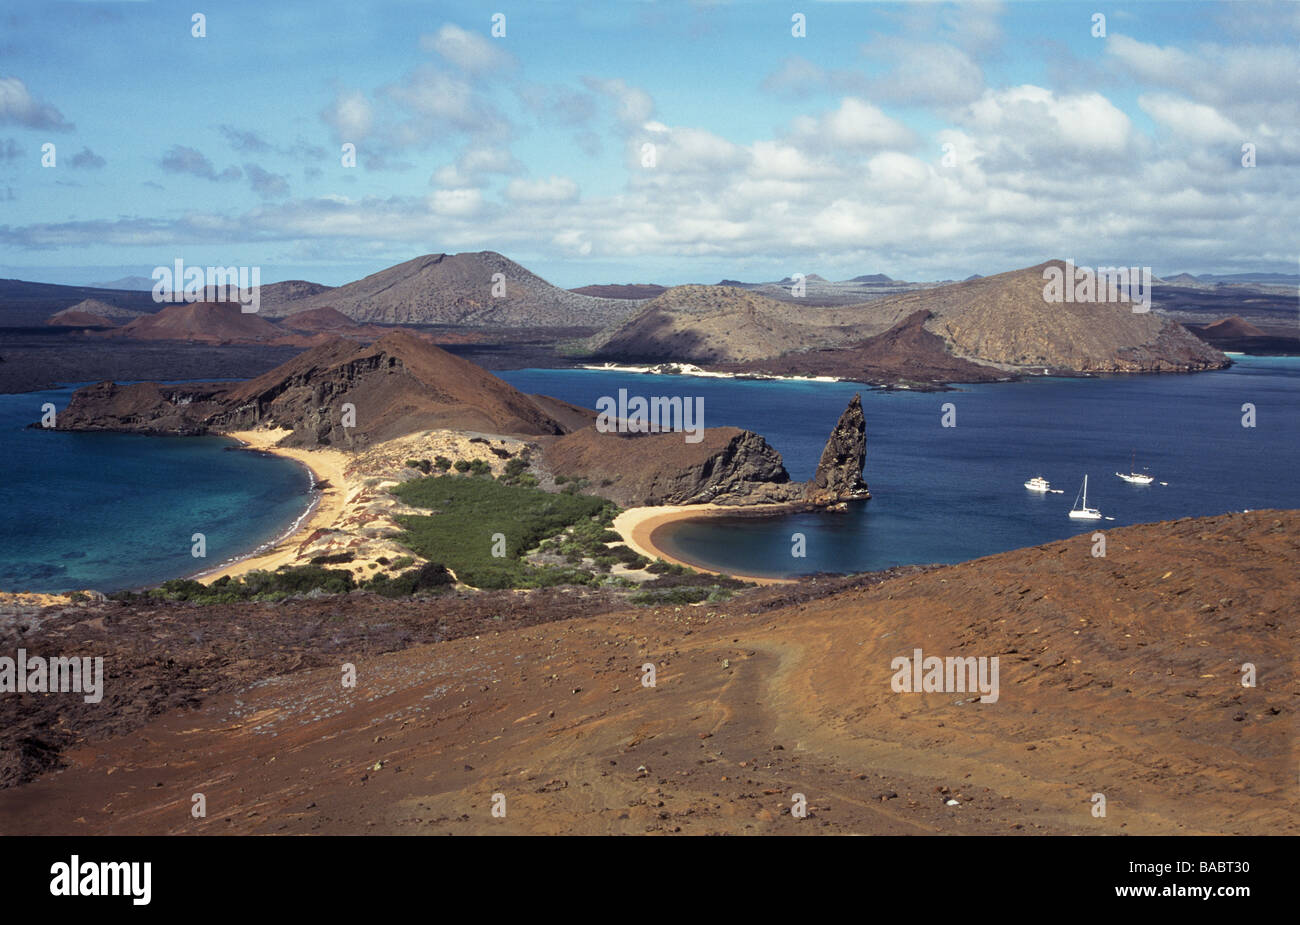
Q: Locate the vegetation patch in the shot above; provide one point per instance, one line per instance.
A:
(473, 512)
(288, 581)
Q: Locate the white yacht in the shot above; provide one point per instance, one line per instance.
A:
(1038, 483)
(1082, 511)
(1133, 476)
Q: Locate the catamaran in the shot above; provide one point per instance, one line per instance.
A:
(1083, 512)
(1038, 483)
(1133, 476)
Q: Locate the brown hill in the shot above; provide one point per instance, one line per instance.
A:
(397, 385)
(1119, 675)
(1236, 326)
(72, 318)
(202, 322)
(1000, 319)
(275, 296)
(458, 289)
(315, 320)
(1005, 319)
(106, 312)
(905, 354)
(725, 324)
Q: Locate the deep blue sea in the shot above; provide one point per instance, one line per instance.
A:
(947, 494)
(114, 511)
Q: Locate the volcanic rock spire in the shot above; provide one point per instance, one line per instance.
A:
(839, 473)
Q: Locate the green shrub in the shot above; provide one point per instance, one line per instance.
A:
(428, 577)
(442, 462)
(514, 468)
(471, 511)
(461, 465)
(671, 596)
(333, 558)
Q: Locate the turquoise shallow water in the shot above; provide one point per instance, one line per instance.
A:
(951, 494)
(114, 511)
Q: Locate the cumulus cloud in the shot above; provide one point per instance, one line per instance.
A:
(1190, 120)
(19, 107)
(1045, 167)
(854, 126)
(349, 115)
(469, 51)
(926, 73)
(551, 189)
(473, 163)
(633, 106)
(182, 159)
(456, 202)
(266, 184)
(1032, 126)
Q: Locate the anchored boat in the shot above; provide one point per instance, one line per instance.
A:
(1082, 511)
(1133, 476)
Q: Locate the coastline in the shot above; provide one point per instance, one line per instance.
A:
(326, 468)
(690, 369)
(637, 527)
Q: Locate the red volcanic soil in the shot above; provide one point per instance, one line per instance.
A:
(401, 383)
(1236, 326)
(1119, 676)
(202, 322)
(70, 318)
(319, 319)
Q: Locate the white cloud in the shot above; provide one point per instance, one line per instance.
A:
(350, 116)
(1035, 126)
(456, 202)
(552, 189)
(1195, 121)
(925, 72)
(855, 126)
(19, 107)
(776, 160)
(634, 105)
(469, 51)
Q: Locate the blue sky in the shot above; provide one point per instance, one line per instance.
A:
(773, 154)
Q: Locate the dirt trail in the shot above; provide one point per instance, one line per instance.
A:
(1119, 676)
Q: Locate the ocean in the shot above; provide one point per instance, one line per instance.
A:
(948, 494)
(115, 511)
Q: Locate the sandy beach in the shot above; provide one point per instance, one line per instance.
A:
(353, 514)
(637, 526)
(327, 467)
